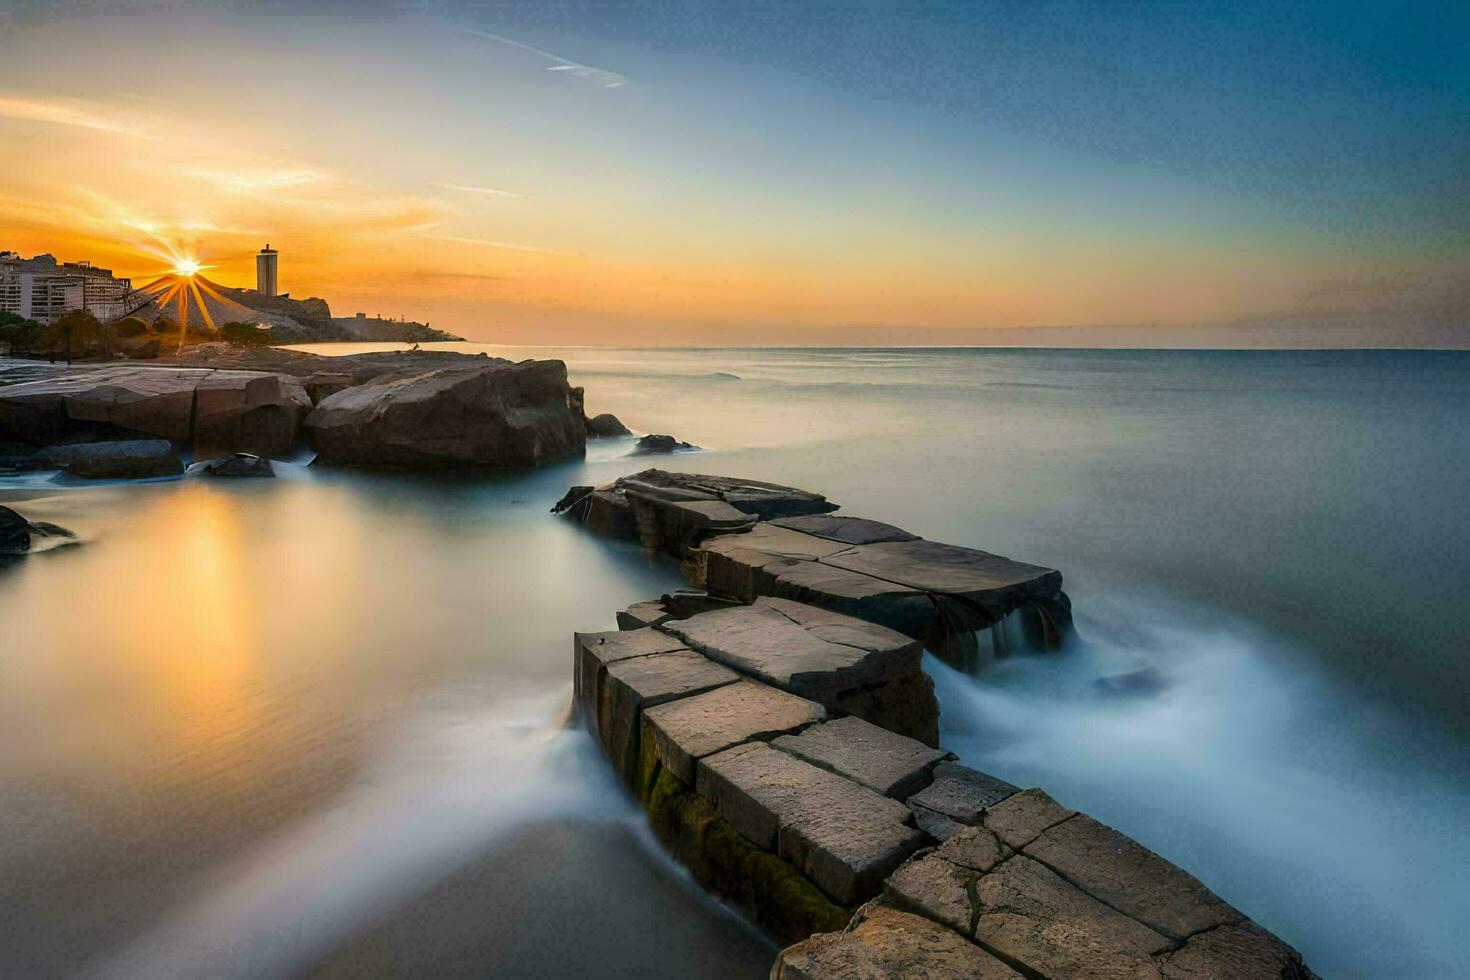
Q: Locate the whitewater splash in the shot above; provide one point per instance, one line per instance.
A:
(1232, 757)
(453, 783)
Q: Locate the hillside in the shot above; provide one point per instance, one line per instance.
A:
(292, 321)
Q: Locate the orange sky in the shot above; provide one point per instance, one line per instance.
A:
(412, 168)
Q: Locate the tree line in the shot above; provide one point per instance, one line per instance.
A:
(81, 335)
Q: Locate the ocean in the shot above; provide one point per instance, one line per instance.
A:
(314, 726)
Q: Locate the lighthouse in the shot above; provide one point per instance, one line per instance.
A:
(265, 271)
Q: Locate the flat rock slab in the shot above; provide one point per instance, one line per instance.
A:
(956, 798)
(881, 760)
(809, 651)
(874, 571)
(1237, 951)
(689, 729)
(1029, 915)
(592, 652)
(733, 569)
(1129, 877)
(936, 889)
(884, 942)
(938, 884)
(844, 837)
(848, 665)
(975, 849)
(134, 459)
(1020, 819)
(849, 530)
(633, 684)
(763, 501)
(978, 576)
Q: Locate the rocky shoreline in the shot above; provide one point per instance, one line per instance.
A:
(786, 752)
(410, 409)
(774, 721)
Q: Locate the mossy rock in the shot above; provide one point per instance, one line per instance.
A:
(780, 898)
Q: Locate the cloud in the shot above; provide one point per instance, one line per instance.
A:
(209, 227)
(68, 112)
(257, 181)
(605, 79)
(471, 189)
(492, 244)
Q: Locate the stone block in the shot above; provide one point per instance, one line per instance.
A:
(1029, 915)
(957, 797)
(936, 889)
(848, 530)
(843, 836)
(847, 665)
(633, 684)
(875, 757)
(990, 582)
(975, 848)
(591, 652)
(1240, 952)
(885, 942)
(1020, 819)
(809, 651)
(684, 731)
(1128, 876)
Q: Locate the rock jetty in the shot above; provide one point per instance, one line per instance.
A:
(742, 539)
(785, 753)
(417, 409)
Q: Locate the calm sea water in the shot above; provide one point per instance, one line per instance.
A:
(312, 726)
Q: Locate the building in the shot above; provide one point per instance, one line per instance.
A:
(265, 271)
(42, 289)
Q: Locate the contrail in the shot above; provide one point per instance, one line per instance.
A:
(607, 79)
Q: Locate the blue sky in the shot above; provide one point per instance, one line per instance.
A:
(718, 168)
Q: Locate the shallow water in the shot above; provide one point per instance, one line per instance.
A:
(301, 725)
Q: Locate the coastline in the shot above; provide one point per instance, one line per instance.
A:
(988, 506)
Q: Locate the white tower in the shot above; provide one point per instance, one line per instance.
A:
(265, 271)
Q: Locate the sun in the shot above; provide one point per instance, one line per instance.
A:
(187, 267)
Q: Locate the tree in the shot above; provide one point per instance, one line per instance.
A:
(131, 327)
(23, 336)
(238, 334)
(78, 331)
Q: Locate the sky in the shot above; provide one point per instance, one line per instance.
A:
(725, 173)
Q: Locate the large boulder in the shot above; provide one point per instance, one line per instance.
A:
(236, 466)
(498, 415)
(244, 411)
(605, 426)
(219, 411)
(655, 443)
(132, 459)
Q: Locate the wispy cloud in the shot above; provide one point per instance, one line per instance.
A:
(604, 78)
(256, 181)
(493, 244)
(471, 189)
(210, 228)
(68, 112)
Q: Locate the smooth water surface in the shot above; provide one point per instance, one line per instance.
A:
(314, 724)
